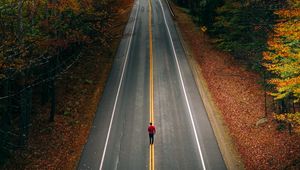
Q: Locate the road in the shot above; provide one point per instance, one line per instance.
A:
(151, 81)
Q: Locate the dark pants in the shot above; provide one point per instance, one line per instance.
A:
(151, 137)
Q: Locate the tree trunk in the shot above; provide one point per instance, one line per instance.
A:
(5, 122)
(23, 124)
(265, 94)
(20, 19)
(53, 101)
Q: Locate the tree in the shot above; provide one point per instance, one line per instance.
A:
(241, 28)
(282, 59)
(39, 40)
(202, 10)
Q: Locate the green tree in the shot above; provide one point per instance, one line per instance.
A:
(282, 59)
(242, 27)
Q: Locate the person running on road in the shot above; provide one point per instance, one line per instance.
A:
(151, 131)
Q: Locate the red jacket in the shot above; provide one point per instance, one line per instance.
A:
(151, 129)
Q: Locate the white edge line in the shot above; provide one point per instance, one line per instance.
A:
(184, 91)
(118, 92)
(170, 9)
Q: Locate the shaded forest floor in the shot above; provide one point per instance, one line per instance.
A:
(58, 145)
(240, 99)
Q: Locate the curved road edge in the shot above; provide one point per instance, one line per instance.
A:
(230, 155)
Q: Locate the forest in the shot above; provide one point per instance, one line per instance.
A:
(39, 41)
(266, 36)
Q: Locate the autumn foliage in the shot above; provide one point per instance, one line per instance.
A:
(43, 26)
(282, 59)
(263, 35)
(40, 40)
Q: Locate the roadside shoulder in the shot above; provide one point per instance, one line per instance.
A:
(230, 155)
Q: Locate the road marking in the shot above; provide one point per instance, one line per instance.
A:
(151, 167)
(151, 89)
(183, 87)
(119, 87)
(151, 65)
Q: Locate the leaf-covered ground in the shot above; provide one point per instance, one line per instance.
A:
(58, 145)
(240, 99)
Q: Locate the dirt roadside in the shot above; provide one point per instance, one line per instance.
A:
(58, 145)
(235, 102)
(230, 155)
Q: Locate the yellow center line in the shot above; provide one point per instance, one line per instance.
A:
(151, 64)
(151, 107)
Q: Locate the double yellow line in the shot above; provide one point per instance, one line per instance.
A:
(151, 91)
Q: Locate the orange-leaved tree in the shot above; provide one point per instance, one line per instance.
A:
(283, 60)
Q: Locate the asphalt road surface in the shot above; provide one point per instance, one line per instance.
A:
(119, 137)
